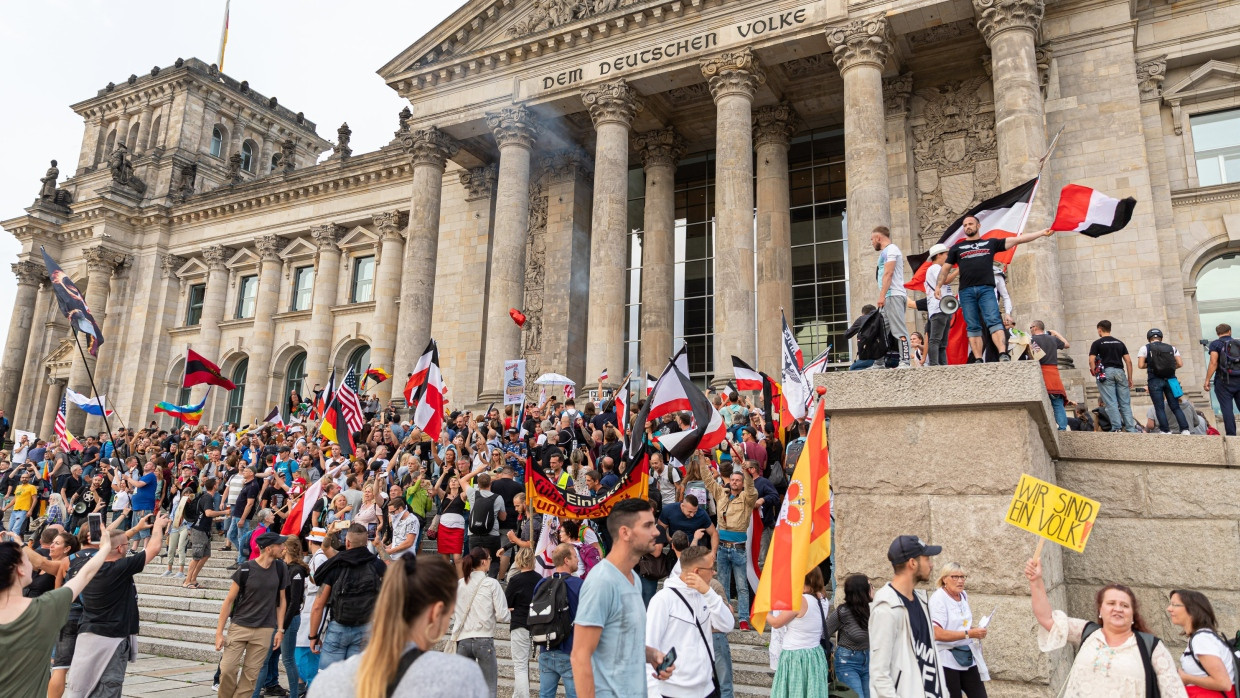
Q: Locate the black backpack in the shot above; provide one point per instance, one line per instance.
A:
(550, 619)
(353, 596)
(1160, 358)
(482, 515)
(1229, 357)
(1146, 644)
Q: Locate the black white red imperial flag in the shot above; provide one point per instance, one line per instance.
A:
(746, 377)
(1090, 212)
(1000, 217)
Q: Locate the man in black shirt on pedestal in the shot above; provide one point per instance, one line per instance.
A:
(1111, 365)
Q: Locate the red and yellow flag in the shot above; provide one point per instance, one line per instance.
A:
(802, 536)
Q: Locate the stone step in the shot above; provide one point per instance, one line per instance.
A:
(178, 649)
(176, 590)
(747, 679)
(146, 578)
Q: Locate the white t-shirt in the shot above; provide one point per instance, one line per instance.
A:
(950, 614)
(667, 483)
(401, 530)
(932, 278)
(1207, 643)
(891, 253)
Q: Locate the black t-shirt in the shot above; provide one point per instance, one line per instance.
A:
(508, 490)
(975, 259)
(71, 486)
(91, 455)
(40, 582)
(1110, 351)
(923, 646)
(520, 593)
(205, 501)
(248, 491)
(259, 599)
(110, 601)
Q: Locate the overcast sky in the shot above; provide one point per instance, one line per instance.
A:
(316, 56)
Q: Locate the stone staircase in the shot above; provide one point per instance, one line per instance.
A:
(180, 623)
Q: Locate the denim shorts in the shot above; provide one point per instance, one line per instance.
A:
(981, 310)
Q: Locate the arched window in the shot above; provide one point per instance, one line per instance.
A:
(236, 397)
(295, 377)
(359, 361)
(111, 145)
(152, 140)
(275, 162)
(132, 140)
(1218, 293)
(217, 141)
(247, 156)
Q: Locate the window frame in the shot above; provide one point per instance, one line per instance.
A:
(246, 280)
(356, 279)
(193, 311)
(217, 141)
(248, 158)
(298, 274)
(236, 396)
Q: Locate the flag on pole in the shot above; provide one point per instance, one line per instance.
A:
(1003, 216)
(796, 390)
(569, 392)
(802, 536)
(673, 393)
(300, 513)
(377, 375)
(335, 428)
(325, 396)
(753, 554)
(274, 417)
(224, 35)
(818, 365)
(650, 381)
(73, 304)
(94, 405)
(746, 377)
(198, 371)
(681, 359)
(420, 369)
(190, 414)
(602, 376)
(67, 440)
(1090, 212)
(429, 414)
(621, 403)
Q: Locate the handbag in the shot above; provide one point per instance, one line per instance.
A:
(450, 647)
(963, 656)
(432, 531)
(824, 640)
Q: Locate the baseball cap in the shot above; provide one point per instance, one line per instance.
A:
(270, 538)
(905, 548)
(317, 534)
(937, 249)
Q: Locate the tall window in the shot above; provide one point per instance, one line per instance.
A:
(303, 287)
(1216, 140)
(363, 280)
(359, 361)
(819, 314)
(236, 397)
(694, 271)
(295, 377)
(193, 313)
(633, 275)
(247, 295)
(247, 156)
(153, 139)
(217, 141)
(183, 396)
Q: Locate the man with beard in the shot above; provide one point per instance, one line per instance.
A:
(900, 613)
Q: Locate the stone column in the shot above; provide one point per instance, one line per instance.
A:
(122, 132)
(269, 143)
(144, 129)
(326, 277)
(27, 410)
(429, 149)
(390, 225)
(860, 49)
(772, 132)
(28, 274)
(734, 79)
(515, 130)
(100, 261)
(111, 323)
(1010, 28)
(612, 107)
(558, 285)
(55, 391)
(469, 312)
(210, 112)
(90, 143)
(238, 135)
(261, 341)
(660, 151)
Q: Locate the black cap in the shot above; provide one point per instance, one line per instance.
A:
(905, 548)
(270, 538)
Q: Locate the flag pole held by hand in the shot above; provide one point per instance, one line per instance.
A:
(1037, 552)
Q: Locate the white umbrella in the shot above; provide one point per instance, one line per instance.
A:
(554, 379)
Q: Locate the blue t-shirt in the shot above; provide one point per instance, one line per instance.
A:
(676, 520)
(287, 468)
(144, 497)
(613, 603)
(574, 599)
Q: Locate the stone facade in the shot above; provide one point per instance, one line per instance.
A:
(508, 181)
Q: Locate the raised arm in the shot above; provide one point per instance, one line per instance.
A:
(1037, 589)
(1011, 242)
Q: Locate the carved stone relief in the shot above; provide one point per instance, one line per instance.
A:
(548, 14)
(817, 64)
(535, 280)
(954, 153)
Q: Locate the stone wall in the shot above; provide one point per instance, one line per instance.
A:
(937, 452)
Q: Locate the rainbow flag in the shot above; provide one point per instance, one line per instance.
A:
(190, 414)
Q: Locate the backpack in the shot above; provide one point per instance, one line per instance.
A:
(1235, 652)
(353, 596)
(655, 495)
(1146, 644)
(243, 572)
(588, 554)
(1229, 357)
(550, 619)
(872, 337)
(1160, 358)
(245, 541)
(482, 515)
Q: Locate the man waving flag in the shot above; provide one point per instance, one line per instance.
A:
(429, 414)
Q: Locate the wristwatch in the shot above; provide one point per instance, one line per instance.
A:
(313, 638)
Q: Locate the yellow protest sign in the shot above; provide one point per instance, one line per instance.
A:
(1052, 512)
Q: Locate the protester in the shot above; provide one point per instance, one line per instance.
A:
(203, 514)
(1208, 665)
(486, 511)
(554, 658)
(255, 605)
(681, 616)
(473, 623)
(450, 527)
(801, 666)
(901, 643)
(30, 627)
(957, 636)
(735, 506)
(1109, 661)
(1160, 361)
(412, 614)
(306, 659)
(519, 593)
(1224, 370)
(939, 322)
(849, 623)
(1111, 365)
(348, 586)
(1049, 343)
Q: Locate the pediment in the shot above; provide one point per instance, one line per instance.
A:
(193, 267)
(358, 237)
(1213, 79)
(243, 258)
(299, 247)
(62, 353)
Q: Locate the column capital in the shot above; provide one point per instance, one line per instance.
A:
(429, 146)
(514, 126)
(102, 259)
(479, 182)
(170, 263)
(995, 16)
(733, 73)
(614, 102)
(216, 255)
(566, 165)
(269, 247)
(326, 236)
(663, 147)
(861, 42)
(390, 224)
(896, 93)
(774, 125)
(29, 273)
(1150, 76)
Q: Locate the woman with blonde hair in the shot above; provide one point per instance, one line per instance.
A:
(412, 613)
(957, 635)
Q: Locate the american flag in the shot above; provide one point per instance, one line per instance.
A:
(350, 406)
(61, 432)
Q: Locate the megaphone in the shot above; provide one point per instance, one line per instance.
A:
(949, 303)
(79, 508)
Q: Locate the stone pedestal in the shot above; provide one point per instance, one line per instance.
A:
(860, 49)
(321, 330)
(660, 151)
(262, 337)
(391, 225)
(612, 108)
(734, 79)
(773, 127)
(515, 130)
(28, 274)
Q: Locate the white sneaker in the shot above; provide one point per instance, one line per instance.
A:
(1186, 432)
(904, 364)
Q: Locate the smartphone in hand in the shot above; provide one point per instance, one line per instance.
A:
(95, 521)
(669, 660)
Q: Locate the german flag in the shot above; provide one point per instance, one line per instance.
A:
(377, 375)
(335, 429)
(198, 371)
